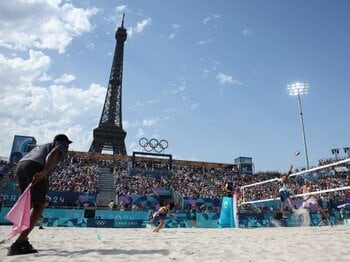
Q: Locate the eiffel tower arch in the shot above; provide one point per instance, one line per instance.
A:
(109, 135)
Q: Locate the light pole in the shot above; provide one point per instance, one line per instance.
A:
(297, 89)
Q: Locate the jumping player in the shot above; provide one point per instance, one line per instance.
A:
(283, 192)
(160, 215)
(310, 201)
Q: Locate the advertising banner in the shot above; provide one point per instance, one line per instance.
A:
(55, 198)
(139, 219)
(21, 145)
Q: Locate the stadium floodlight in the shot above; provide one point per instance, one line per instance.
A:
(297, 89)
(347, 151)
(335, 152)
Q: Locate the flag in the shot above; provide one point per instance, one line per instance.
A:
(19, 214)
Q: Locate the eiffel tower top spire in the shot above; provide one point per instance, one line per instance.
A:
(112, 110)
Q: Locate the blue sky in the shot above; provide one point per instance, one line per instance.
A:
(208, 76)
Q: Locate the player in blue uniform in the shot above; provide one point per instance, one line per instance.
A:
(160, 216)
(283, 193)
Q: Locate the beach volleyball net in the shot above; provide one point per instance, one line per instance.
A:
(326, 181)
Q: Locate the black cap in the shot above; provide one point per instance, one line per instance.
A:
(62, 138)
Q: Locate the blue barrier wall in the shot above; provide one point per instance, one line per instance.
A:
(55, 198)
(140, 219)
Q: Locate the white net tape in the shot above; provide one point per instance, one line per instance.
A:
(301, 195)
(265, 189)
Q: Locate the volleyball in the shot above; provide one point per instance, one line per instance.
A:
(296, 153)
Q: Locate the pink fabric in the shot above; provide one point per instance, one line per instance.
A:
(19, 214)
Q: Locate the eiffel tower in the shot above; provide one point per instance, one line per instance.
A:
(109, 135)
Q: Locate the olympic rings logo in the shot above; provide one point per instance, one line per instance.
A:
(100, 222)
(153, 145)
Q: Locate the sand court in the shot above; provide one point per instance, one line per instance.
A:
(186, 244)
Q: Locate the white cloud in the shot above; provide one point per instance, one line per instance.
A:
(117, 17)
(120, 9)
(140, 133)
(205, 72)
(152, 101)
(205, 42)
(175, 89)
(150, 122)
(175, 28)
(27, 107)
(126, 124)
(181, 87)
(90, 46)
(139, 102)
(247, 32)
(44, 77)
(17, 69)
(227, 79)
(132, 146)
(214, 17)
(42, 24)
(140, 26)
(65, 78)
(169, 117)
(194, 106)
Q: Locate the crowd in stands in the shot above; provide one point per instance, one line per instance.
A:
(138, 184)
(80, 173)
(75, 176)
(326, 161)
(204, 182)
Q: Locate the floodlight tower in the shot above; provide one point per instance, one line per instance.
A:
(335, 152)
(297, 89)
